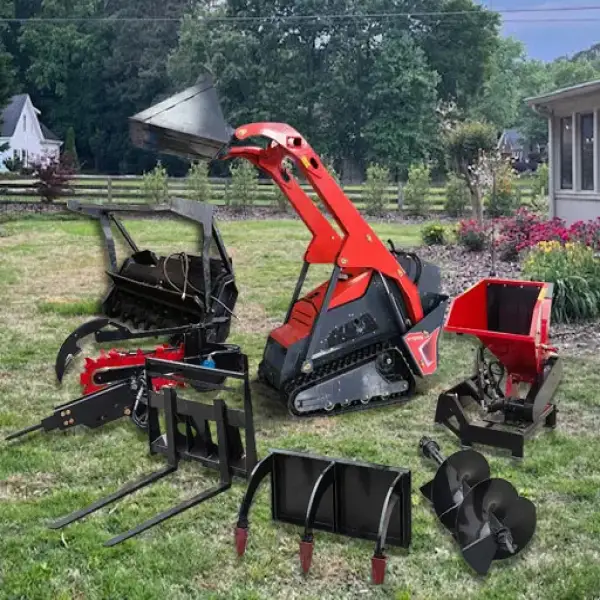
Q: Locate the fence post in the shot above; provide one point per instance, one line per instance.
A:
(400, 199)
(109, 189)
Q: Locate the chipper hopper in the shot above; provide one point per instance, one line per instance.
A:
(517, 371)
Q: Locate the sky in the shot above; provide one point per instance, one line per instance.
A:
(570, 31)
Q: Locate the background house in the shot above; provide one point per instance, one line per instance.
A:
(573, 152)
(28, 138)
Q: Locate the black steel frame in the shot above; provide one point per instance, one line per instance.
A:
(344, 514)
(228, 455)
(200, 213)
(518, 424)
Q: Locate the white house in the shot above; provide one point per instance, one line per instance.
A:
(27, 137)
(573, 150)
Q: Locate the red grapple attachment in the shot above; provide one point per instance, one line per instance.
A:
(241, 540)
(511, 318)
(378, 564)
(306, 553)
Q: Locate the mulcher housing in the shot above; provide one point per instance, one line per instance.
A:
(155, 292)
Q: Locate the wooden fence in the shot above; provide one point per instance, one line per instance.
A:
(127, 188)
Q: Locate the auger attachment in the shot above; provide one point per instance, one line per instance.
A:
(359, 500)
(486, 516)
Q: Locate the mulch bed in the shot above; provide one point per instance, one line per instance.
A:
(460, 269)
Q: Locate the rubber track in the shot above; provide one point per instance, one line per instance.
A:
(342, 365)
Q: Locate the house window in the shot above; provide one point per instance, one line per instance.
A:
(586, 124)
(566, 153)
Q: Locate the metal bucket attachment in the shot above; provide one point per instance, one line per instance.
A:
(189, 124)
(359, 500)
(486, 516)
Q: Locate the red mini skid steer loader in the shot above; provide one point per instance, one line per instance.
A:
(372, 330)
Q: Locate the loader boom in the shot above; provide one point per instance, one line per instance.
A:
(360, 249)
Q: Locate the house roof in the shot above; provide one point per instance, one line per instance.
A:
(48, 135)
(12, 113)
(565, 93)
(511, 138)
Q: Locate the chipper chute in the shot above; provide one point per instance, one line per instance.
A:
(517, 371)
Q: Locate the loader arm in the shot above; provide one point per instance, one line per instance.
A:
(326, 242)
(360, 247)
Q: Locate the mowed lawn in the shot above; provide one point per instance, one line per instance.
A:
(52, 269)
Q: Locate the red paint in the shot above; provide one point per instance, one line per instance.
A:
(116, 358)
(241, 540)
(359, 249)
(306, 554)
(306, 309)
(522, 355)
(423, 346)
(378, 564)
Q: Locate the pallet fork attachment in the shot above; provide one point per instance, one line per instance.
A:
(188, 436)
(345, 497)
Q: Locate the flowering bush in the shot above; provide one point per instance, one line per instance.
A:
(433, 234)
(525, 230)
(586, 232)
(575, 273)
(473, 236)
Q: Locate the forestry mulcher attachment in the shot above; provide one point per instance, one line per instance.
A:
(365, 337)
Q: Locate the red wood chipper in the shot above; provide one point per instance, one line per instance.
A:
(517, 371)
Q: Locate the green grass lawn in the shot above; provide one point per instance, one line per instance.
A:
(51, 275)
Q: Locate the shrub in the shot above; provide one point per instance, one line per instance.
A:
(376, 185)
(243, 190)
(417, 189)
(433, 234)
(472, 235)
(539, 184)
(587, 233)
(457, 196)
(14, 164)
(575, 273)
(53, 178)
(526, 229)
(504, 197)
(197, 182)
(155, 185)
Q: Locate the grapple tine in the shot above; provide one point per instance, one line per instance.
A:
(70, 347)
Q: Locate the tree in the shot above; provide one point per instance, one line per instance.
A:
(197, 182)
(502, 93)
(155, 185)
(468, 144)
(70, 152)
(459, 46)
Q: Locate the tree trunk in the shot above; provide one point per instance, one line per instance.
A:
(477, 204)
